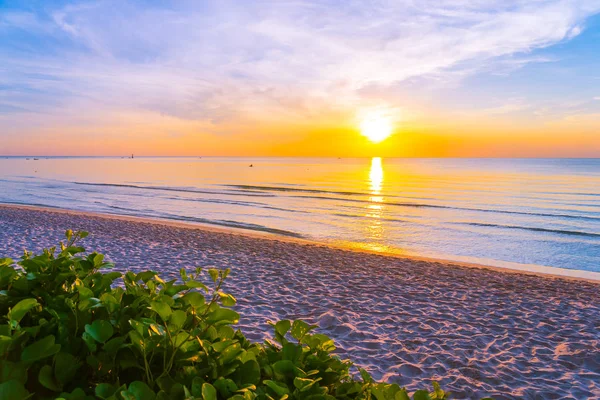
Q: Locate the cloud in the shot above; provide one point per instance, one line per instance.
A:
(221, 60)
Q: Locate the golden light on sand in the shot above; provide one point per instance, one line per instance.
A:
(376, 127)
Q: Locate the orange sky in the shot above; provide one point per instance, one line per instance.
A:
(423, 137)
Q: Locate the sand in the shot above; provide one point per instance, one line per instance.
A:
(479, 331)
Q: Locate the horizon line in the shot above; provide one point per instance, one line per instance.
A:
(271, 156)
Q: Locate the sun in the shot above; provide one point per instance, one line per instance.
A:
(376, 128)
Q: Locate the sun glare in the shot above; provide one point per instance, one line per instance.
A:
(376, 128)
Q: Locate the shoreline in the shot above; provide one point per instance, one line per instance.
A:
(513, 268)
(480, 332)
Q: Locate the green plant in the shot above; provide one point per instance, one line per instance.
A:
(70, 330)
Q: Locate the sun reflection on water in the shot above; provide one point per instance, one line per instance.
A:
(376, 175)
(374, 211)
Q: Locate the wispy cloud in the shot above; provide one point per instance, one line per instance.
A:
(218, 60)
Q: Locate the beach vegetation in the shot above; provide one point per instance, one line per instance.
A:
(72, 328)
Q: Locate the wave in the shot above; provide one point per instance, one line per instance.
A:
(532, 229)
(251, 204)
(293, 189)
(426, 205)
(258, 191)
(574, 193)
(20, 203)
(226, 223)
(233, 224)
(241, 203)
(354, 216)
(170, 189)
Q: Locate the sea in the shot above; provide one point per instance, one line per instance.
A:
(527, 214)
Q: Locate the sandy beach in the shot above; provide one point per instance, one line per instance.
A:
(479, 331)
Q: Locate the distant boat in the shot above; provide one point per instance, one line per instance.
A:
(35, 159)
(251, 165)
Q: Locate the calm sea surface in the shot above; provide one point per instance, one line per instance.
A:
(505, 212)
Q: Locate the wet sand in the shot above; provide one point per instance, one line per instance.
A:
(479, 331)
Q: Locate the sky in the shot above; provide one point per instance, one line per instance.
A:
(458, 78)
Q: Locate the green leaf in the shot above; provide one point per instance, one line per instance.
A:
(74, 249)
(366, 377)
(279, 388)
(249, 372)
(226, 332)
(13, 390)
(193, 284)
(89, 304)
(137, 340)
(5, 262)
(145, 276)
(194, 299)
(291, 351)
(90, 342)
(421, 395)
(227, 300)
(126, 395)
(438, 393)
(21, 308)
(114, 344)
(13, 371)
(162, 309)
(225, 387)
(284, 368)
(47, 379)
(85, 293)
(98, 258)
(65, 367)
(7, 273)
(110, 302)
(222, 316)
(178, 318)
(282, 327)
(141, 391)
(197, 383)
(304, 384)
(111, 276)
(230, 353)
(209, 392)
(214, 274)
(100, 330)
(301, 328)
(105, 390)
(77, 394)
(41, 349)
(221, 345)
(5, 342)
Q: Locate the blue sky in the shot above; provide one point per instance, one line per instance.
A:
(80, 70)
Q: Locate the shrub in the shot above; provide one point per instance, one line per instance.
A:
(69, 330)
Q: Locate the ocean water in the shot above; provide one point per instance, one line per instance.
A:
(519, 213)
